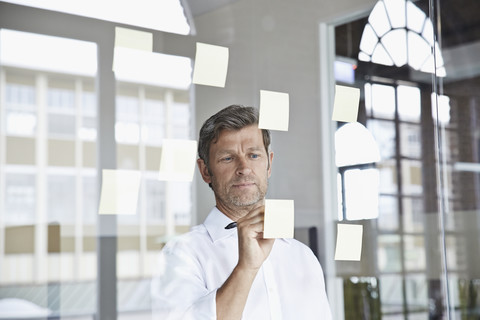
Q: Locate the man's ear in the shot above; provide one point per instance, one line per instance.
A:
(270, 159)
(202, 167)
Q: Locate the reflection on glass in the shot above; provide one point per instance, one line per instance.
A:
(383, 101)
(384, 133)
(413, 217)
(389, 259)
(417, 296)
(388, 213)
(155, 200)
(408, 99)
(414, 256)
(51, 201)
(388, 177)
(21, 118)
(391, 296)
(441, 108)
(89, 198)
(411, 177)
(410, 140)
(61, 199)
(361, 188)
(355, 145)
(395, 43)
(19, 198)
(164, 15)
(153, 122)
(379, 20)
(61, 125)
(127, 129)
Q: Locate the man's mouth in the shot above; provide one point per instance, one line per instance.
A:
(243, 184)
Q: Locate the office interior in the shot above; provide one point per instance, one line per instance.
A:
(408, 170)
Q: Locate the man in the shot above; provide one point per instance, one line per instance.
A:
(214, 272)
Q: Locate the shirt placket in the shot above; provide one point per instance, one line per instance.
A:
(272, 291)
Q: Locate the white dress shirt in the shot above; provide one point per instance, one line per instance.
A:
(288, 286)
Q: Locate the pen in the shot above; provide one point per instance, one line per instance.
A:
(231, 225)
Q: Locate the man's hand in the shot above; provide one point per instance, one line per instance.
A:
(253, 249)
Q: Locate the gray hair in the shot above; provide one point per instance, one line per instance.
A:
(234, 117)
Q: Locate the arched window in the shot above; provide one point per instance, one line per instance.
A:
(399, 33)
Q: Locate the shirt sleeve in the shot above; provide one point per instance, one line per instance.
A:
(178, 290)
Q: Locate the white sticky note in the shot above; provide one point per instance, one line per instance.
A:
(211, 64)
(133, 39)
(279, 219)
(178, 160)
(349, 242)
(345, 107)
(274, 110)
(119, 193)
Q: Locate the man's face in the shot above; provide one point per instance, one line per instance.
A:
(239, 168)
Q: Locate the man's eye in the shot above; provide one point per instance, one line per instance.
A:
(255, 156)
(227, 159)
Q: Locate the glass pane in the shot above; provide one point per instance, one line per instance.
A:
(411, 177)
(389, 259)
(20, 198)
(410, 141)
(391, 295)
(61, 199)
(61, 100)
(417, 296)
(415, 259)
(413, 215)
(49, 256)
(21, 123)
(388, 176)
(63, 125)
(89, 199)
(388, 213)
(383, 101)
(361, 194)
(153, 128)
(168, 16)
(384, 134)
(408, 103)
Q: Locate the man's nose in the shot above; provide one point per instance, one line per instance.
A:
(243, 167)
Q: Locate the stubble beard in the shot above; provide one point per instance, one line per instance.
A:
(238, 199)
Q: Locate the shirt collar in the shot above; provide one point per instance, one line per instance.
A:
(216, 222)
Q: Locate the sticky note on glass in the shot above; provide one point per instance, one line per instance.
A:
(274, 110)
(177, 162)
(349, 242)
(133, 39)
(119, 193)
(345, 107)
(211, 64)
(279, 219)
(127, 44)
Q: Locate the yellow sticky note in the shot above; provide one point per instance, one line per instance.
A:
(120, 190)
(133, 39)
(279, 219)
(128, 42)
(274, 110)
(211, 64)
(345, 107)
(178, 159)
(349, 242)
